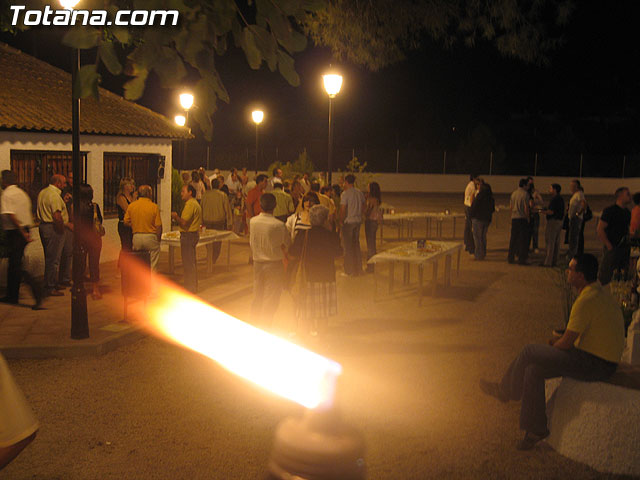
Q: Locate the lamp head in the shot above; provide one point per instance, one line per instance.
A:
(186, 100)
(257, 116)
(69, 4)
(332, 84)
(180, 120)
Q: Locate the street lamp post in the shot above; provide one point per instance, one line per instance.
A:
(332, 84)
(257, 116)
(79, 317)
(186, 102)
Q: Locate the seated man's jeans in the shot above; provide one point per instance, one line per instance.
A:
(535, 363)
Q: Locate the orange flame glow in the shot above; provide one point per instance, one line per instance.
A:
(279, 366)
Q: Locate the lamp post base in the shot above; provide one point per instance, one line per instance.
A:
(318, 446)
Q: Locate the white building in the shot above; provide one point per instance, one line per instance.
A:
(118, 138)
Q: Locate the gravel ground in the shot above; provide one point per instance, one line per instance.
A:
(155, 411)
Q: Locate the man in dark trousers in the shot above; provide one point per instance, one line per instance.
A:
(589, 350)
(519, 241)
(613, 230)
(15, 207)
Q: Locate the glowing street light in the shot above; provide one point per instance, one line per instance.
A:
(181, 120)
(186, 101)
(257, 116)
(332, 84)
(69, 4)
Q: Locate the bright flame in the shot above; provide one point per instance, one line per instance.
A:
(258, 116)
(180, 120)
(69, 4)
(186, 100)
(269, 361)
(332, 84)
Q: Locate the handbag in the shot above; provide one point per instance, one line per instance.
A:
(97, 224)
(588, 214)
(299, 285)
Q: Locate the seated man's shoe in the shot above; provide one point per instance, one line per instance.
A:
(530, 439)
(493, 389)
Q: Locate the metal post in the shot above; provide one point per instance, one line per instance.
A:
(397, 159)
(490, 163)
(624, 164)
(580, 176)
(444, 163)
(330, 146)
(257, 148)
(79, 318)
(277, 155)
(535, 165)
(353, 153)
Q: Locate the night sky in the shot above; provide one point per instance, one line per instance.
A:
(586, 100)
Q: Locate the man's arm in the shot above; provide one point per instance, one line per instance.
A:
(250, 207)
(602, 235)
(228, 214)
(567, 340)
(23, 231)
(179, 220)
(343, 213)
(127, 219)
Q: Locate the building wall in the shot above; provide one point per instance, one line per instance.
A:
(95, 146)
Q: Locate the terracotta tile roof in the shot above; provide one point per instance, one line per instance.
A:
(36, 96)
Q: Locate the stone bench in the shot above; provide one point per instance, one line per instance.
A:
(597, 423)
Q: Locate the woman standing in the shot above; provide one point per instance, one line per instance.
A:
(317, 249)
(126, 195)
(536, 204)
(481, 213)
(88, 221)
(373, 216)
(300, 221)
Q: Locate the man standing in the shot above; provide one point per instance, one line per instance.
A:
(555, 215)
(577, 206)
(589, 350)
(268, 240)
(277, 177)
(66, 258)
(216, 214)
(253, 197)
(233, 182)
(352, 205)
(469, 193)
(613, 229)
(519, 241)
(143, 216)
(15, 207)
(54, 220)
(189, 222)
(306, 183)
(284, 202)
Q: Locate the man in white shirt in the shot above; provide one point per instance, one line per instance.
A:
(577, 206)
(469, 194)
(233, 182)
(15, 207)
(269, 240)
(277, 177)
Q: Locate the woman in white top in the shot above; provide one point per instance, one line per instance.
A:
(300, 221)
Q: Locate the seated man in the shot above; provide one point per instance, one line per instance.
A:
(589, 350)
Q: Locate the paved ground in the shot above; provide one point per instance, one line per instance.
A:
(153, 410)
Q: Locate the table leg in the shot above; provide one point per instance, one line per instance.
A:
(406, 275)
(375, 282)
(392, 265)
(209, 257)
(439, 229)
(228, 255)
(171, 259)
(435, 277)
(454, 226)
(420, 289)
(447, 271)
(458, 268)
(381, 233)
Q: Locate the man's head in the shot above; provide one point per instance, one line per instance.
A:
(277, 173)
(315, 187)
(318, 215)
(58, 180)
(575, 185)
(623, 196)
(582, 270)
(267, 202)
(350, 179)
(145, 191)
(9, 178)
(187, 192)
(472, 177)
(555, 189)
(523, 183)
(305, 175)
(261, 181)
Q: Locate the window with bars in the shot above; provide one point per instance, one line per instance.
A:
(143, 168)
(34, 168)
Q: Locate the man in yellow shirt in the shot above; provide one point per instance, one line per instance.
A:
(216, 213)
(189, 221)
(589, 350)
(143, 216)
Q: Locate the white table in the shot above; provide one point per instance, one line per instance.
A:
(207, 238)
(408, 254)
(407, 219)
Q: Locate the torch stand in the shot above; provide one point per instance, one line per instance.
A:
(318, 446)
